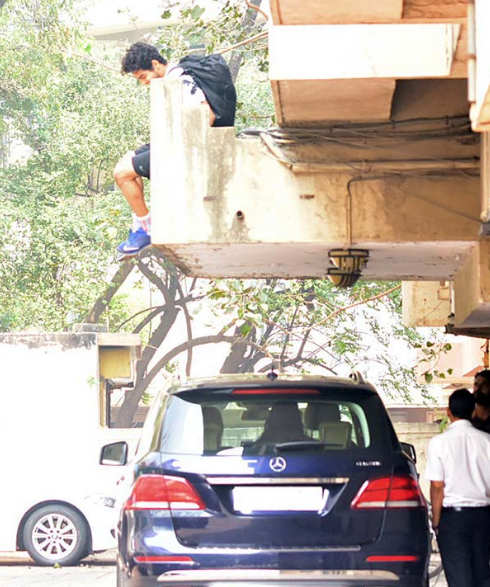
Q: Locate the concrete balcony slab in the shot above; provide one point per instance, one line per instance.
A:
(291, 12)
(228, 207)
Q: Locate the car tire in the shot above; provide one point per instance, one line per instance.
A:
(56, 534)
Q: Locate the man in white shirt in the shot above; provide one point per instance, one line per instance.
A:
(458, 467)
(144, 62)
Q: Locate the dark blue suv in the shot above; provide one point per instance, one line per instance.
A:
(248, 480)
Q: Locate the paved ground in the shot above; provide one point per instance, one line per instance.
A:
(17, 570)
(439, 580)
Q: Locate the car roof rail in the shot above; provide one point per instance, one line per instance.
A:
(357, 376)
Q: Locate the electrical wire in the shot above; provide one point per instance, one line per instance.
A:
(362, 135)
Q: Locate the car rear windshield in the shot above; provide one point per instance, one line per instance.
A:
(263, 422)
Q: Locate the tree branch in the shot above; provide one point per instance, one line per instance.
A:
(359, 303)
(147, 319)
(245, 42)
(132, 399)
(86, 58)
(340, 310)
(168, 291)
(258, 9)
(288, 335)
(188, 325)
(103, 301)
(247, 23)
(155, 310)
(235, 358)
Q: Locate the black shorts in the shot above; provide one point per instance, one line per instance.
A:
(141, 161)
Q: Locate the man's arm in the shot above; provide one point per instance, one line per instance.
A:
(436, 497)
(212, 115)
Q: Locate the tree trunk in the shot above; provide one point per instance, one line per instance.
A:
(247, 23)
(235, 359)
(132, 399)
(130, 404)
(104, 300)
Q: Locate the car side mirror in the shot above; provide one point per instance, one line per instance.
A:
(409, 450)
(114, 454)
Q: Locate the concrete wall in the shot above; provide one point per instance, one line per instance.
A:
(481, 111)
(223, 207)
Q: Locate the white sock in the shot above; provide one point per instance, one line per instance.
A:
(135, 224)
(144, 222)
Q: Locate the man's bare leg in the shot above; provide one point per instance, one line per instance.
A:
(131, 186)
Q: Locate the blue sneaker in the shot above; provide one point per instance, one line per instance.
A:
(137, 241)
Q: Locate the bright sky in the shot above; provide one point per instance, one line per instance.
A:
(113, 12)
(104, 13)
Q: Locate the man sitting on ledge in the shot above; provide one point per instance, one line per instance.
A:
(206, 80)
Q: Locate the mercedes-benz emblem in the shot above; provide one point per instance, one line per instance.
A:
(277, 464)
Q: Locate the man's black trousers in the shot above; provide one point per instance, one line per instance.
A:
(464, 543)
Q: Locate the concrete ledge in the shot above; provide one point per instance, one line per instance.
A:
(225, 207)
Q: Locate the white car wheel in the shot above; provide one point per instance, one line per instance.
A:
(55, 534)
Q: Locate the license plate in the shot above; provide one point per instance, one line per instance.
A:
(279, 499)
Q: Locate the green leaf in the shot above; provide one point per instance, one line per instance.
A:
(197, 12)
(428, 377)
(245, 328)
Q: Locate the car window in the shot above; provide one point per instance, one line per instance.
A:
(225, 425)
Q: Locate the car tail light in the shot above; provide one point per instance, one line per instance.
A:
(399, 491)
(164, 559)
(393, 558)
(276, 391)
(163, 492)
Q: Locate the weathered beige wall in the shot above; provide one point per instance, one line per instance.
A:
(330, 11)
(425, 303)
(225, 207)
(481, 110)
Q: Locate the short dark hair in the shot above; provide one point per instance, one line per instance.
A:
(462, 404)
(484, 374)
(482, 394)
(140, 56)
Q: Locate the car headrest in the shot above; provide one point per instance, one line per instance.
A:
(283, 424)
(213, 428)
(212, 418)
(317, 414)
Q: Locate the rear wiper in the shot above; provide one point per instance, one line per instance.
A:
(304, 445)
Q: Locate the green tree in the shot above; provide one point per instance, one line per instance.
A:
(75, 115)
(66, 101)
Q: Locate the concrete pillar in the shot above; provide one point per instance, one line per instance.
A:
(471, 289)
(425, 303)
(485, 180)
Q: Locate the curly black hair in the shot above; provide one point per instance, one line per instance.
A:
(139, 56)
